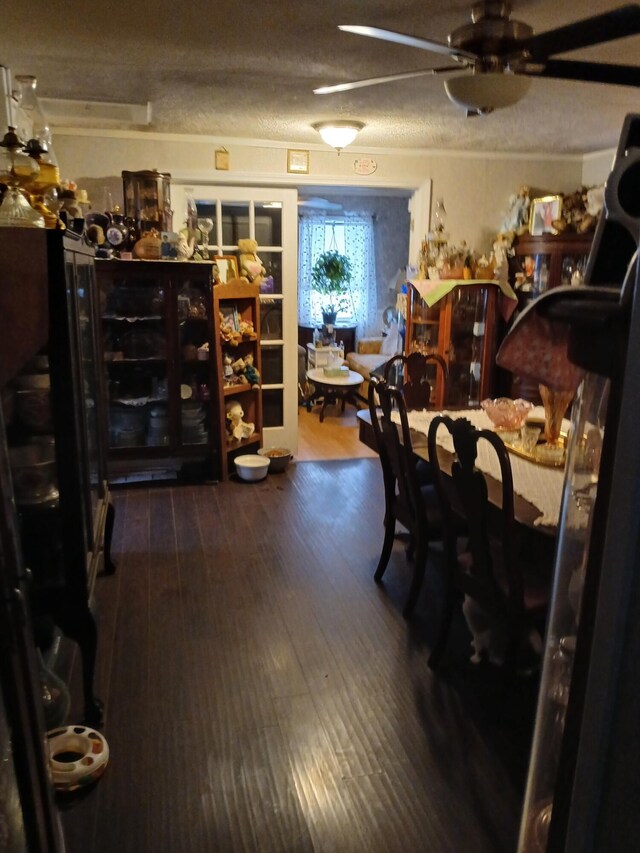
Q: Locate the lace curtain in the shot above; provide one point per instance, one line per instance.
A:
(351, 235)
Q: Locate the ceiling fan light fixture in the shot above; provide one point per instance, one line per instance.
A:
(484, 92)
(339, 133)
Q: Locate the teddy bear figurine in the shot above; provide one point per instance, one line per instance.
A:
(250, 370)
(250, 264)
(237, 429)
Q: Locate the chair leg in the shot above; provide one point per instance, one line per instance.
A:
(444, 627)
(419, 568)
(387, 547)
(450, 596)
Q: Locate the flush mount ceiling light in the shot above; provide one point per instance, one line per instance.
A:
(485, 92)
(339, 133)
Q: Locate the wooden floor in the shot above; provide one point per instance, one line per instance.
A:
(262, 693)
(335, 438)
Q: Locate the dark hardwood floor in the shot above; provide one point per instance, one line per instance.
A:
(262, 693)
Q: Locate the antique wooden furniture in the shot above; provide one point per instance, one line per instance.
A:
(407, 501)
(413, 370)
(236, 335)
(330, 389)
(542, 263)
(489, 571)
(157, 353)
(55, 516)
(460, 327)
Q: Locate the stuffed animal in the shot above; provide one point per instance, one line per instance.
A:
(250, 264)
(237, 429)
(238, 368)
(250, 371)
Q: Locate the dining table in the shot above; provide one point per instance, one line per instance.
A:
(537, 487)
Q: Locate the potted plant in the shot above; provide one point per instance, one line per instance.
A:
(330, 278)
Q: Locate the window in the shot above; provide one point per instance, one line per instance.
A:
(351, 235)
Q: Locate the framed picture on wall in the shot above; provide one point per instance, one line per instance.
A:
(297, 161)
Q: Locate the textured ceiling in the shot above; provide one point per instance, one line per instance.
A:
(239, 69)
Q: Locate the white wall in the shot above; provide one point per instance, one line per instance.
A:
(475, 187)
(596, 167)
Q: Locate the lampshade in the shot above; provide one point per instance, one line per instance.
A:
(340, 133)
(485, 92)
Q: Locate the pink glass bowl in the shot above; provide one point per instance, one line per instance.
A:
(506, 413)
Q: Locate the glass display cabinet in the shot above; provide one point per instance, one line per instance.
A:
(147, 199)
(461, 327)
(55, 514)
(157, 350)
(537, 265)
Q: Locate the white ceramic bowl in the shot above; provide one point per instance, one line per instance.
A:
(252, 467)
(279, 456)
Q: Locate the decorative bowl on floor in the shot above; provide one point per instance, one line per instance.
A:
(506, 413)
(279, 456)
(252, 467)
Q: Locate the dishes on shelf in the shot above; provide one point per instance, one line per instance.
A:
(33, 407)
(194, 416)
(33, 470)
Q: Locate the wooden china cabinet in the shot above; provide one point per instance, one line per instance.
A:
(460, 327)
(540, 263)
(158, 357)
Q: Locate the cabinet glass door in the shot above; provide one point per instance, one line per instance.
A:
(134, 326)
(573, 269)
(85, 313)
(468, 306)
(194, 373)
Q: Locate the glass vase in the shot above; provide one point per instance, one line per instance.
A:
(555, 405)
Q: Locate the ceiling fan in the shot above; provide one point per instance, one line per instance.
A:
(501, 55)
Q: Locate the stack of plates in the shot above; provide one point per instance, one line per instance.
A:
(158, 431)
(127, 426)
(193, 428)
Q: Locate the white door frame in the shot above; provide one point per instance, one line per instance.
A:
(287, 434)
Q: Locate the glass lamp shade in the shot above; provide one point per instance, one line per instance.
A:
(27, 97)
(338, 134)
(485, 92)
(16, 212)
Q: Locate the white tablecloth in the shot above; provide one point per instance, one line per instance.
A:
(538, 484)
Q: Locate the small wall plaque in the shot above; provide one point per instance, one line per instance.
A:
(364, 166)
(222, 159)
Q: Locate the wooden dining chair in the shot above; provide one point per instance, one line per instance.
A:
(407, 501)
(505, 600)
(417, 390)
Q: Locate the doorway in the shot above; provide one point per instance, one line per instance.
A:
(337, 436)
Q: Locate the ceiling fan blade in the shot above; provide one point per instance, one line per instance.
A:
(609, 26)
(590, 72)
(374, 81)
(411, 41)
